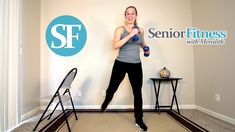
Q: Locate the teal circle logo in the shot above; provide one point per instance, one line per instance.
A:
(66, 35)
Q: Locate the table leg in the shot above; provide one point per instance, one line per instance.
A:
(156, 94)
(158, 90)
(174, 87)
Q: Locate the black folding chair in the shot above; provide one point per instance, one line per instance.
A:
(66, 85)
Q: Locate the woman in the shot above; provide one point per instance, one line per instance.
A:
(128, 61)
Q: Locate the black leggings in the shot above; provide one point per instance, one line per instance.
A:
(135, 76)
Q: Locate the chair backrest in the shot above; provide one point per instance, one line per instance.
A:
(66, 83)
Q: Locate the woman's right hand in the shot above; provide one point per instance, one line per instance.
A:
(118, 41)
(134, 31)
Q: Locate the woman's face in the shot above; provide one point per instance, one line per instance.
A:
(130, 15)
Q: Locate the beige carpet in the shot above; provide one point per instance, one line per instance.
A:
(122, 122)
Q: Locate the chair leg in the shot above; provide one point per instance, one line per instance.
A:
(72, 105)
(64, 113)
(41, 118)
(53, 111)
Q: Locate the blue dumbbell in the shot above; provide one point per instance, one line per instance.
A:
(146, 48)
(135, 37)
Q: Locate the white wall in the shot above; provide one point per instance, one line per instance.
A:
(95, 61)
(30, 58)
(214, 65)
(1, 67)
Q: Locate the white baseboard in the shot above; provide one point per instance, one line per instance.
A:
(92, 107)
(30, 113)
(113, 107)
(120, 107)
(216, 115)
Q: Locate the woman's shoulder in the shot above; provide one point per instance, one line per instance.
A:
(141, 30)
(120, 29)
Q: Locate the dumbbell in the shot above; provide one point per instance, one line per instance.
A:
(135, 37)
(146, 48)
